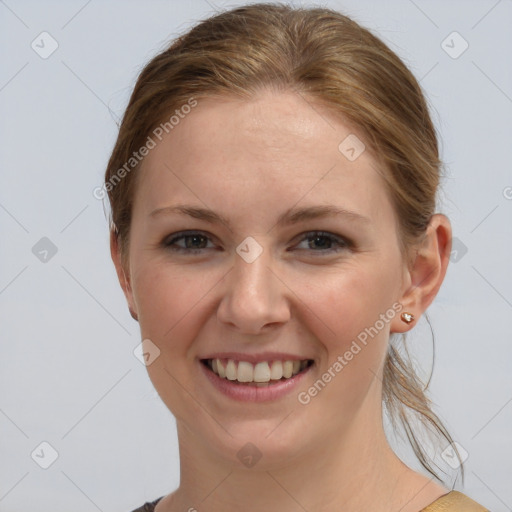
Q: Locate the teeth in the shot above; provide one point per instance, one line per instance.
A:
(231, 372)
(277, 370)
(245, 372)
(220, 368)
(262, 372)
(287, 369)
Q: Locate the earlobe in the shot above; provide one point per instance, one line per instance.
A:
(124, 280)
(426, 273)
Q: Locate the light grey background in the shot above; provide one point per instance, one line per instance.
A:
(68, 373)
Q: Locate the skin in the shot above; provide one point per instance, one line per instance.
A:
(251, 161)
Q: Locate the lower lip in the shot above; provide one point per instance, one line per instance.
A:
(249, 393)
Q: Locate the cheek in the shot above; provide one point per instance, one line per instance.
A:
(356, 305)
(171, 307)
(351, 299)
(166, 300)
(335, 304)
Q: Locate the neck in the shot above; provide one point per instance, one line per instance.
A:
(354, 471)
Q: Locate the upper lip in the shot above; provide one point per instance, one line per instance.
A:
(256, 358)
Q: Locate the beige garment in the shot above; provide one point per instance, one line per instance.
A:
(454, 501)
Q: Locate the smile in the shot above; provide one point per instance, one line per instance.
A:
(261, 373)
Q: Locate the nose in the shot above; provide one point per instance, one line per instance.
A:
(255, 297)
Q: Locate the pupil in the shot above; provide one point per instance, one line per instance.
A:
(195, 238)
(320, 238)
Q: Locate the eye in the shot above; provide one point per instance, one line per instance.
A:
(196, 242)
(191, 242)
(322, 242)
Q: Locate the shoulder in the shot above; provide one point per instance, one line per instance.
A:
(455, 501)
(148, 507)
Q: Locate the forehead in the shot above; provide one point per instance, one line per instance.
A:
(275, 150)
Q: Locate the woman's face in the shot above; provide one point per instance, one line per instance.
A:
(263, 285)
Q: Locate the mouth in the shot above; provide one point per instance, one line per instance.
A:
(261, 374)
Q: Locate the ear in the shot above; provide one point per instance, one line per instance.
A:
(425, 274)
(124, 281)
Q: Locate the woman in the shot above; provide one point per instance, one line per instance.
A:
(273, 195)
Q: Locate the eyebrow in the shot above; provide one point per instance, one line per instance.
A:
(289, 217)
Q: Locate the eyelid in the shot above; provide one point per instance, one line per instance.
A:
(318, 232)
(166, 242)
(343, 242)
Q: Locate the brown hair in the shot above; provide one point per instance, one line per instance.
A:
(332, 60)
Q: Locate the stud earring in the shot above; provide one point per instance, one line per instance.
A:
(407, 317)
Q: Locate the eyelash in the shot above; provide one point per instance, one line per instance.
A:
(343, 243)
